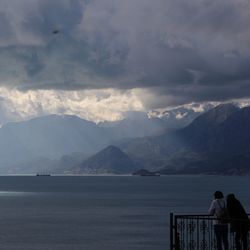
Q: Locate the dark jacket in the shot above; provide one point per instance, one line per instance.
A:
(238, 216)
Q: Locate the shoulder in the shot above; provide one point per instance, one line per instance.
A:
(213, 202)
(221, 201)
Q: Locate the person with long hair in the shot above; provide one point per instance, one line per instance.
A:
(239, 222)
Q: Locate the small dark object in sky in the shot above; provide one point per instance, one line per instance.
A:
(55, 31)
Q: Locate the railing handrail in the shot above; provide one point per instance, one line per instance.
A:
(192, 215)
(206, 217)
(186, 215)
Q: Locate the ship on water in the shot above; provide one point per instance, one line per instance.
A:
(38, 174)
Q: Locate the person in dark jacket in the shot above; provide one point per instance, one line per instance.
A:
(239, 221)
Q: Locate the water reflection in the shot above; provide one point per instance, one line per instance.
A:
(15, 193)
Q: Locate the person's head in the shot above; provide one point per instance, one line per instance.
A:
(218, 195)
(230, 197)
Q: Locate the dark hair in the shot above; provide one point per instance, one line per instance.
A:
(218, 195)
(231, 197)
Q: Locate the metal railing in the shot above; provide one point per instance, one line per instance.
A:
(195, 232)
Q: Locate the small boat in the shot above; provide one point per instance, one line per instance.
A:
(55, 31)
(43, 175)
(150, 174)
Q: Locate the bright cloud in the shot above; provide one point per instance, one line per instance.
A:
(95, 105)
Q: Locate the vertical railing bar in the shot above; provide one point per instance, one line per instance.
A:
(204, 233)
(171, 231)
(211, 234)
(186, 234)
(176, 247)
(183, 243)
(192, 235)
(197, 228)
(182, 235)
(189, 234)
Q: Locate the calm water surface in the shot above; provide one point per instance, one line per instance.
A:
(103, 212)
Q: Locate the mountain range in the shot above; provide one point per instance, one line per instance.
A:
(215, 142)
(50, 137)
(65, 140)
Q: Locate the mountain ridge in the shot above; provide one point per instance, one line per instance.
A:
(193, 148)
(218, 137)
(110, 160)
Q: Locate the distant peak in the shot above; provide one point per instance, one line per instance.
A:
(111, 151)
(221, 112)
(216, 115)
(226, 106)
(111, 148)
(57, 117)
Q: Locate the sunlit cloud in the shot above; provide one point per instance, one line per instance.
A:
(95, 105)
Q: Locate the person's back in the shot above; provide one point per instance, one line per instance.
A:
(235, 209)
(239, 221)
(218, 208)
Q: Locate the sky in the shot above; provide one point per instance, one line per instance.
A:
(113, 56)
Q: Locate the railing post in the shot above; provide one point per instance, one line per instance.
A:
(171, 231)
(176, 235)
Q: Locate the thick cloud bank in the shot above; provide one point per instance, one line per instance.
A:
(178, 51)
(94, 105)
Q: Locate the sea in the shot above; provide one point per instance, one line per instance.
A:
(103, 212)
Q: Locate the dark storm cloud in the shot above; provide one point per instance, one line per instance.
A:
(184, 51)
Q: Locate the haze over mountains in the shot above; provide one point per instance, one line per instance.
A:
(216, 141)
(209, 144)
(25, 145)
(110, 160)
